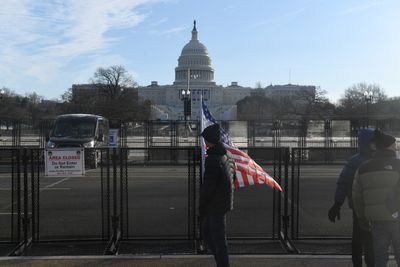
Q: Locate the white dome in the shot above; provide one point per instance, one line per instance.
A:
(194, 47)
(194, 57)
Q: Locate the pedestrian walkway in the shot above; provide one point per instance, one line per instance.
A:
(183, 261)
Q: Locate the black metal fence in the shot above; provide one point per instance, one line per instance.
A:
(135, 195)
(271, 133)
(141, 195)
(314, 172)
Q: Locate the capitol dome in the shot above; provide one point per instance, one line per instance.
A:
(194, 58)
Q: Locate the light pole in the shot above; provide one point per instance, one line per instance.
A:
(368, 99)
(2, 92)
(186, 98)
(187, 103)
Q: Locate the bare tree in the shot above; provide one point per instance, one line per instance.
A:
(308, 103)
(256, 107)
(67, 96)
(112, 82)
(118, 99)
(12, 106)
(354, 102)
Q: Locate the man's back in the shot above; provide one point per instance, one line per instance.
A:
(375, 183)
(217, 189)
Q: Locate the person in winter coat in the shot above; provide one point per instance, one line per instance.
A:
(361, 239)
(376, 181)
(216, 194)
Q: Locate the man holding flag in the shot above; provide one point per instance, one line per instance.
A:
(216, 196)
(226, 168)
(248, 172)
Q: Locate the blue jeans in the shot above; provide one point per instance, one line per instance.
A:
(213, 228)
(385, 233)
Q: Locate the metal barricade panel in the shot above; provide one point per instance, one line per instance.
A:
(11, 188)
(314, 174)
(159, 196)
(72, 207)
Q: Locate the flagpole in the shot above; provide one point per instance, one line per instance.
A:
(200, 246)
(202, 144)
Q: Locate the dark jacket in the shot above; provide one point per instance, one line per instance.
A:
(376, 181)
(345, 181)
(216, 194)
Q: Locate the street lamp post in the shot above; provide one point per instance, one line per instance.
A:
(2, 92)
(187, 99)
(187, 103)
(368, 99)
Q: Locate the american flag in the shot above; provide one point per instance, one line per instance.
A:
(248, 172)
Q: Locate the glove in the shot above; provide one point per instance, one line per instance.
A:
(334, 212)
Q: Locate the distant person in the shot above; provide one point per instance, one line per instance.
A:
(216, 195)
(361, 239)
(376, 182)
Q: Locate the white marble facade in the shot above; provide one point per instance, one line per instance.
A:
(194, 71)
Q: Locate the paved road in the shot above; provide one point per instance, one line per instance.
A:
(183, 261)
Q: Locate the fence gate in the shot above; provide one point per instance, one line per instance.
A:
(314, 172)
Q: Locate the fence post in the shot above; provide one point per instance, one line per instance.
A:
(123, 176)
(126, 193)
(278, 194)
(286, 193)
(19, 195)
(26, 196)
(102, 191)
(195, 151)
(33, 195)
(188, 193)
(114, 217)
(250, 134)
(12, 194)
(299, 158)
(328, 133)
(108, 193)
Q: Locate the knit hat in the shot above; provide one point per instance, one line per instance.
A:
(365, 137)
(212, 134)
(383, 140)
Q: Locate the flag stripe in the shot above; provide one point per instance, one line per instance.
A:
(237, 153)
(249, 163)
(248, 172)
(245, 179)
(251, 172)
(239, 180)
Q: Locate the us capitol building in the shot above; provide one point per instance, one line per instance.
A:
(195, 72)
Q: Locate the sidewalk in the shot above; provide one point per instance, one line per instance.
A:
(183, 261)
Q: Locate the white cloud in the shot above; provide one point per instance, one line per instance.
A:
(174, 30)
(359, 8)
(159, 22)
(230, 7)
(282, 18)
(40, 39)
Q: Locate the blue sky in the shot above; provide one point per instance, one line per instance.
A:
(49, 45)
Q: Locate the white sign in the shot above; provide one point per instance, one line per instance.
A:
(65, 162)
(113, 137)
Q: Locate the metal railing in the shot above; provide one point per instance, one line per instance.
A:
(269, 133)
(314, 173)
(134, 194)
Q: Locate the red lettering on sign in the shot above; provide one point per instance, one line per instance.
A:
(71, 157)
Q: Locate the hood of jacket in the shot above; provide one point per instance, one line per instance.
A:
(365, 137)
